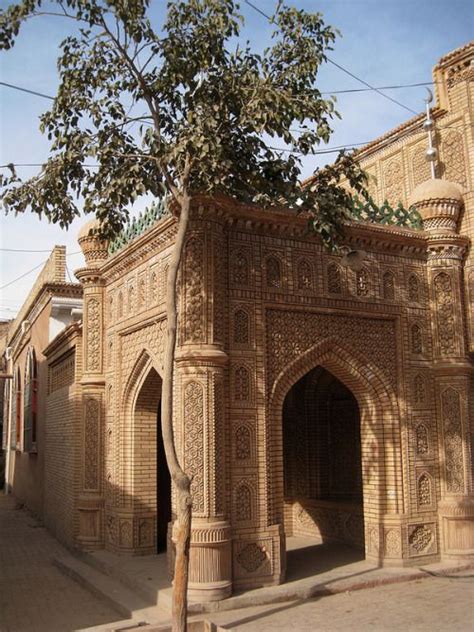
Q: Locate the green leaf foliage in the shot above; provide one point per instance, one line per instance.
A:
(182, 109)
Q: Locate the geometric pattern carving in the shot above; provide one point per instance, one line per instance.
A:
(194, 291)
(240, 268)
(453, 444)
(251, 557)
(416, 339)
(273, 272)
(91, 444)
(452, 148)
(304, 275)
(219, 446)
(413, 288)
(291, 333)
(193, 441)
(219, 303)
(334, 279)
(388, 286)
(120, 305)
(241, 384)
(241, 327)
(131, 299)
(93, 335)
(154, 287)
(243, 443)
(445, 312)
(393, 543)
(420, 166)
(422, 442)
(141, 292)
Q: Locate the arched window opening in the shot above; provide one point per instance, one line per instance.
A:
(30, 403)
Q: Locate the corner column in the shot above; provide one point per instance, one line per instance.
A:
(90, 500)
(200, 413)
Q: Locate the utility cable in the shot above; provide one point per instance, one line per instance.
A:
(348, 72)
(37, 94)
(32, 270)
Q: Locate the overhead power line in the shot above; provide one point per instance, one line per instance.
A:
(348, 72)
(32, 270)
(38, 94)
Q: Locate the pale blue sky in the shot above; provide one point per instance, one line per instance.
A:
(385, 42)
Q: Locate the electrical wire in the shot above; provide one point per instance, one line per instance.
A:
(348, 72)
(32, 270)
(37, 94)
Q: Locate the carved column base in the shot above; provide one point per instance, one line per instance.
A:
(90, 509)
(130, 532)
(210, 571)
(456, 515)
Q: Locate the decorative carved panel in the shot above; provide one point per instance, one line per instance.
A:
(91, 443)
(416, 339)
(93, 335)
(394, 178)
(193, 441)
(241, 327)
(452, 153)
(420, 166)
(422, 444)
(445, 313)
(419, 389)
(453, 441)
(219, 447)
(362, 282)
(252, 557)
(242, 384)
(194, 291)
(388, 285)
(304, 275)
(413, 288)
(240, 268)
(273, 273)
(422, 539)
(424, 491)
(334, 278)
(290, 334)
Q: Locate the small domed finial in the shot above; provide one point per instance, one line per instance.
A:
(439, 204)
(92, 244)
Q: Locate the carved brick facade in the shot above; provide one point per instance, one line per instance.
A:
(288, 363)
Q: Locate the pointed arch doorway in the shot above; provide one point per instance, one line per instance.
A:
(151, 477)
(322, 466)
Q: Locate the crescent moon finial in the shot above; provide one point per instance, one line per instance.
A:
(429, 98)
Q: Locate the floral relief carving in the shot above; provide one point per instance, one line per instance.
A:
(154, 287)
(421, 539)
(240, 268)
(394, 182)
(219, 291)
(304, 275)
(91, 444)
(424, 490)
(111, 309)
(241, 327)
(334, 279)
(420, 166)
(194, 291)
(453, 443)
(120, 304)
(416, 339)
(193, 441)
(445, 313)
(388, 283)
(393, 543)
(252, 556)
(273, 268)
(421, 439)
(219, 439)
(93, 335)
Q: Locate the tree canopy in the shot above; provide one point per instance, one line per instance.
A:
(184, 107)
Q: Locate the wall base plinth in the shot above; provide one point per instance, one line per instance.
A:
(210, 571)
(457, 527)
(90, 510)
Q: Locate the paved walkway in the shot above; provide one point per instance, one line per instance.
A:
(434, 604)
(34, 595)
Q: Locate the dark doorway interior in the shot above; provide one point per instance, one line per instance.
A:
(163, 489)
(322, 461)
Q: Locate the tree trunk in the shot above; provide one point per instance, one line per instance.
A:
(181, 481)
